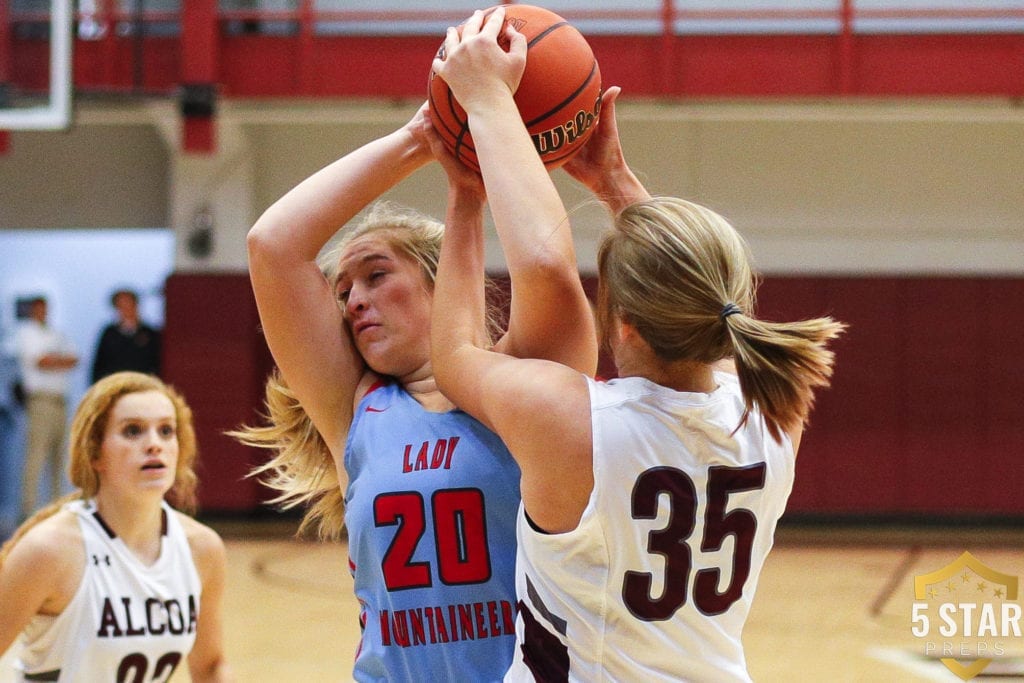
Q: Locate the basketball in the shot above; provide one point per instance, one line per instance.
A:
(559, 96)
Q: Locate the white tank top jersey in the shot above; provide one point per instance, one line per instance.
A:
(127, 621)
(656, 582)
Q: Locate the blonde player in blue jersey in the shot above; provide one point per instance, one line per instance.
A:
(649, 501)
(360, 432)
(111, 583)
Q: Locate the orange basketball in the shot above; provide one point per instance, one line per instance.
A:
(559, 96)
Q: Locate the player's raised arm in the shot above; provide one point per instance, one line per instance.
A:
(302, 323)
(510, 395)
(549, 313)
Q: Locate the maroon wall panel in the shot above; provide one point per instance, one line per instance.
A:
(1002, 367)
(924, 417)
(785, 299)
(216, 356)
(848, 460)
(944, 423)
(859, 413)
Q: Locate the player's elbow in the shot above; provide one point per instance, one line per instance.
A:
(551, 263)
(259, 240)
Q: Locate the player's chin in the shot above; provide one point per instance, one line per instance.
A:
(379, 354)
(157, 481)
(399, 367)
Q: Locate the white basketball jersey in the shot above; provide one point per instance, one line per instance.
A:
(127, 622)
(656, 582)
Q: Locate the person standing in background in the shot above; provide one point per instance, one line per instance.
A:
(129, 343)
(11, 405)
(46, 358)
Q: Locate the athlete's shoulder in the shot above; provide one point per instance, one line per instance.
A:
(617, 390)
(200, 537)
(207, 547)
(52, 538)
(52, 555)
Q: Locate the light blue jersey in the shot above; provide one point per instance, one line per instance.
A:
(430, 509)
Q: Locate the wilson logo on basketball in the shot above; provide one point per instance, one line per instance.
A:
(553, 139)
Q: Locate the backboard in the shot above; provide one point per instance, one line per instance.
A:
(35, 64)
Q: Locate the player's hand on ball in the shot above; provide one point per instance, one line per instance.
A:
(475, 66)
(602, 153)
(461, 178)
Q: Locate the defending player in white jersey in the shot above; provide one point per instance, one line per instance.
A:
(650, 501)
(111, 583)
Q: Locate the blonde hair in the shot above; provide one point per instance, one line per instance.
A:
(302, 468)
(407, 231)
(88, 429)
(671, 268)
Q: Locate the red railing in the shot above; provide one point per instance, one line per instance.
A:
(156, 51)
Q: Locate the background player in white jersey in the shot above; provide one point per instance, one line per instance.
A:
(111, 583)
(649, 501)
(361, 432)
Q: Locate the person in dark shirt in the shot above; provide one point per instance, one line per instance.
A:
(128, 344)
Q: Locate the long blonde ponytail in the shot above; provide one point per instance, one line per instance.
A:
(681, 274)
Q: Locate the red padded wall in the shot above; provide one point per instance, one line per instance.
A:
(215, 355)
(1002, 374)
(850, 438)
(924, 417)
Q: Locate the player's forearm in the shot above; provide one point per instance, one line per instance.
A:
(528, 212)
(463, 293)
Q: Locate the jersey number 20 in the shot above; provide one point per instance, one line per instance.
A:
(459, 530)
(671, 540)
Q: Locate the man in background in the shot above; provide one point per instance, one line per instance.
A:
(12, 402)
(46, 358)
(129, 343)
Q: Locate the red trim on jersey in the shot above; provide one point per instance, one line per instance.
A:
(375, 386)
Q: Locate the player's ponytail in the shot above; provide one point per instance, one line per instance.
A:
(680, 274)
(302, 469)
(780, 364)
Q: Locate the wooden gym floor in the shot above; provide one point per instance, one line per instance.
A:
(833, 605)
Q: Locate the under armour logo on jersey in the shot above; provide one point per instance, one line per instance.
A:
(96, 560)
